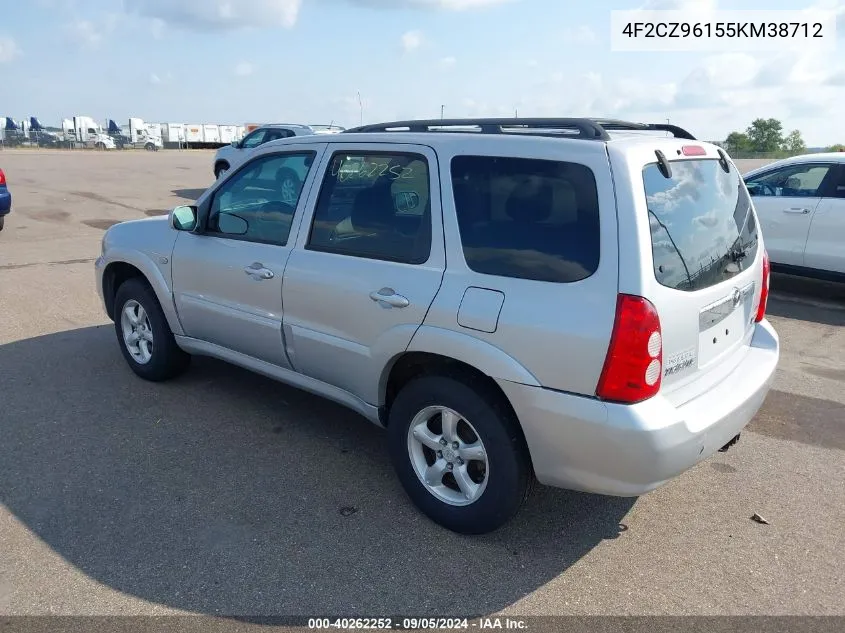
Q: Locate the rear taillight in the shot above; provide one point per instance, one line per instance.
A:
(634, 365)
(764, 293)
(2, 177)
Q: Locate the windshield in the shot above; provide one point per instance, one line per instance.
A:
(703, 229)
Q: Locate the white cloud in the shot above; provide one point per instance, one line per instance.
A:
(218, 14)
(234, 14)
(702, 6)
(84, 34)
(155, 79)
(157, 28)
(89, 35)
(448, 62)
(448, 5)
(580, 35)
(411, 41)
(244, 69)
(9, 50)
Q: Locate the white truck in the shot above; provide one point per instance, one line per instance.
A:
(140, 135)
(83, 131)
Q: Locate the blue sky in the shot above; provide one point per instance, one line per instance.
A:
(237, 61)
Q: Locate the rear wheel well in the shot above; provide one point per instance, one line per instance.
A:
(220, 165)
(414, 365)
(113, 277)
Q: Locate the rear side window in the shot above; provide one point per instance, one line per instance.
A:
(374, 205)
(703, 229)
(527, 218)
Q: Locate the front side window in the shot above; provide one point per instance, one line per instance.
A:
(259, 201)
(796, 181)
(374, 205)
(254, 140)
(527, 218)
(703, 229)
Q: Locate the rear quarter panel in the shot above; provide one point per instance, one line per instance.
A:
(556, 334)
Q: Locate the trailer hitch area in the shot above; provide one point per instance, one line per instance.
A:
(733, 441)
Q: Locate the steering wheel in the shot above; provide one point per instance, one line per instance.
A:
(764, 189)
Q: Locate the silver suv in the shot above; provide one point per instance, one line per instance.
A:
(234, 154)
(512, 299)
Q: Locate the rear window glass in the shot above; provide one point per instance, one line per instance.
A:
(527, 218)
(703, 229)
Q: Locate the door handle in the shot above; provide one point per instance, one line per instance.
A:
(799, 210)
(257, 271)
(388, 296)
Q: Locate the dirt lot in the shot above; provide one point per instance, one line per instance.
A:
(225, 493)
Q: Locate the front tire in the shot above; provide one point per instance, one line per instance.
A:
(459, 453)
(144, 335)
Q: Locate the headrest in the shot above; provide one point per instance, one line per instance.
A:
(373, 208)
(530, 202)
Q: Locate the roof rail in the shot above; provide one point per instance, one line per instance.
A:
(614, 125)
(579, 128)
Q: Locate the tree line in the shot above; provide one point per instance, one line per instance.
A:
(766, 136)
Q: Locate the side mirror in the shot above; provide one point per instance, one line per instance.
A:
(183, 218)
(232, 224)
(236, 144)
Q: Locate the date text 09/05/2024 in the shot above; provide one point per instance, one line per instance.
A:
(364, 624)
(772, 30)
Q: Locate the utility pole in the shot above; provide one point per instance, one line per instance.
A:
(442, 109)
(361, 107)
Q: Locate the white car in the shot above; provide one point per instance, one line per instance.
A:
(800, 204)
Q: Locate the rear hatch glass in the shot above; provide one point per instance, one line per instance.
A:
(705, 243)
(703, 231)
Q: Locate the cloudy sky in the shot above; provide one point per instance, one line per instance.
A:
(237, 61)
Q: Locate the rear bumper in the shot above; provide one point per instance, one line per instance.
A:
(627, 450)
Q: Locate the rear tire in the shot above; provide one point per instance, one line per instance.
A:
(144, 335)
(219, 169)
(2, 222)
(485, 426)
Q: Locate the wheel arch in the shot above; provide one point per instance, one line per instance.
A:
(137, 265)
(411, 365)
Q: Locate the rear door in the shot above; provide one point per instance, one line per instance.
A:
(694, 249)
(825, 248)
(367, 265)
(786, 199)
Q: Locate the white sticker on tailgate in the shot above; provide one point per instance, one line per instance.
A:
(677, 363)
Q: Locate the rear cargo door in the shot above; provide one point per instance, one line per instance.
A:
(694, 249)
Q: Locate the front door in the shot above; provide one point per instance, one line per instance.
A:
(786, 199)
(227, 277)
(367, 264)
